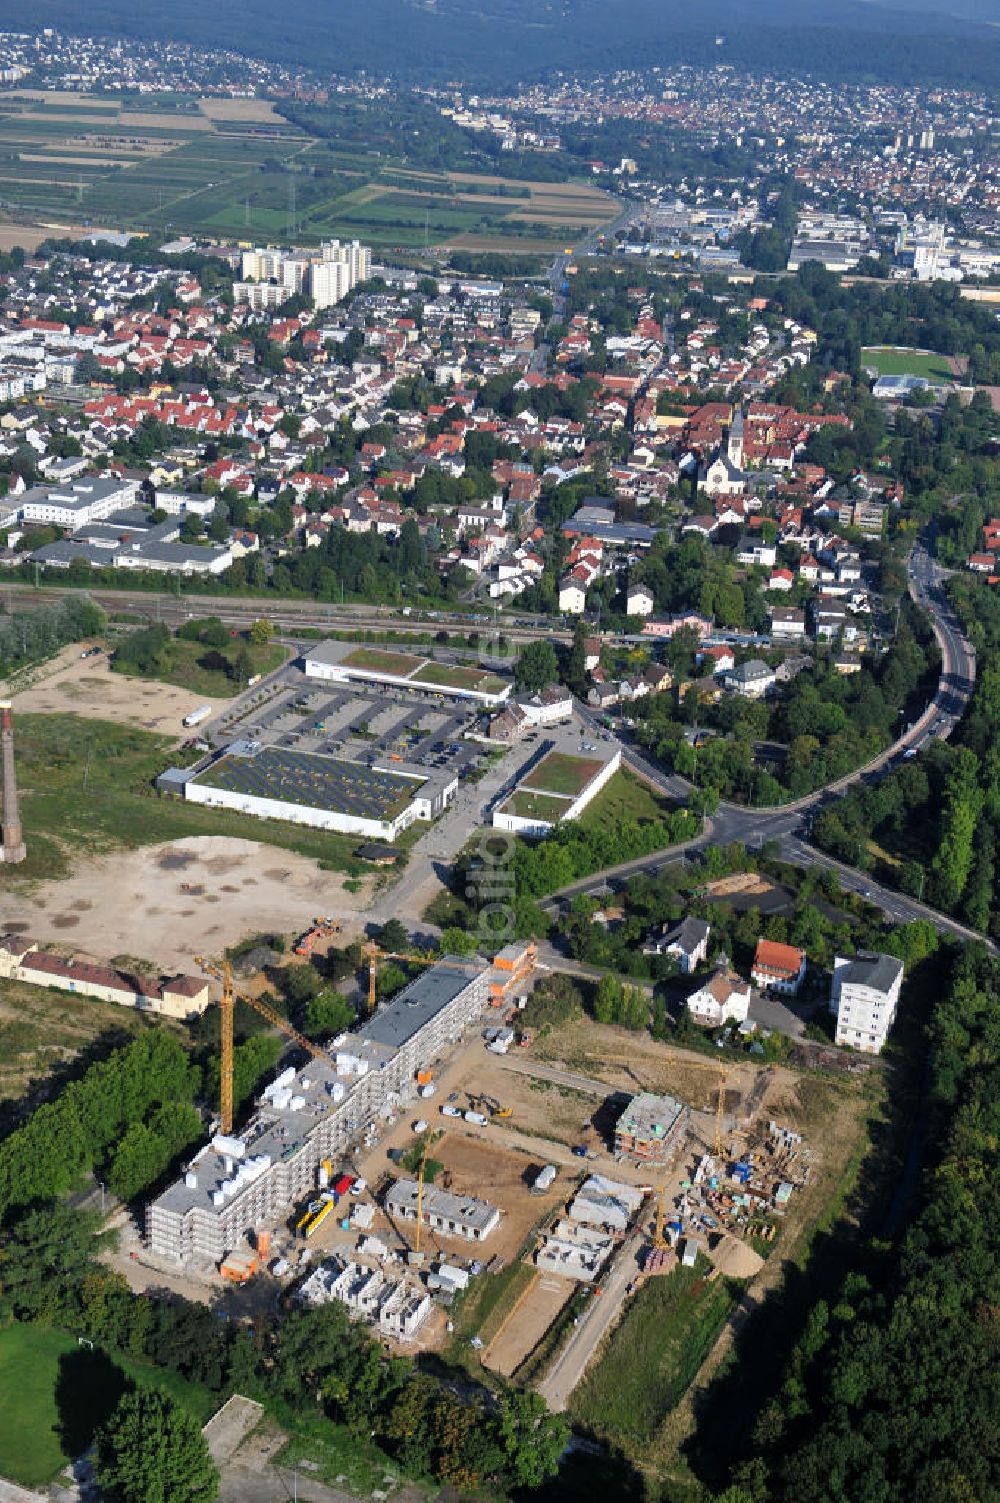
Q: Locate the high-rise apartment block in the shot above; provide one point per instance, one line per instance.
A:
(268, 275)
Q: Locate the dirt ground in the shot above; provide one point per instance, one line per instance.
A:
(527, 1322)
(256, 111)
(168, 903)
(739, 882)
(86, 686)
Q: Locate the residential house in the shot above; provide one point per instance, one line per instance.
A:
(864, 995)
(723, 997)
(777, 967)
(686, 942)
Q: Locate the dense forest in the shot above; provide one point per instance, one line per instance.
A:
(890, 1391)
(840, 40)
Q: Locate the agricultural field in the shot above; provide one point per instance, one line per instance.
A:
(236, 169)
(886, 361)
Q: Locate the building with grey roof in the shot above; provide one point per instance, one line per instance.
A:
(447, 1214)
(864, 994)
(234, 1185)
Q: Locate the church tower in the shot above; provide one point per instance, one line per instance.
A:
(735, 445)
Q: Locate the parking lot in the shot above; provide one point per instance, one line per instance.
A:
(363, 723)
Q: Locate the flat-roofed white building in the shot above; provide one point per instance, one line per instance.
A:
(864, 995)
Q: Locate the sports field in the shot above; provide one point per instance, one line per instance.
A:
(56, 1393)
(237, 169)
(561, 773)
(888, 361)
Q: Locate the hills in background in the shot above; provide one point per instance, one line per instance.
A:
(496, 42)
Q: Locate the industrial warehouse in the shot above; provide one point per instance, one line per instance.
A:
(310, 788)
(233, 1186)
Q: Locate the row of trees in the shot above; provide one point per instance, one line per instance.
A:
(93, 1123)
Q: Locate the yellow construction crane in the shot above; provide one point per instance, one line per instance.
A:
(659, 1237)
(373, 954)
(224, 972)
(428, 1139)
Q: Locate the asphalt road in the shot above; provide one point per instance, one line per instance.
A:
(786, 823)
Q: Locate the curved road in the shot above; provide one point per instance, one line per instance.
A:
(783, 823)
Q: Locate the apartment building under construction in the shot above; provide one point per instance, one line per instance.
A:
(234, 1185)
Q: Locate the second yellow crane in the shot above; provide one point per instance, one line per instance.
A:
(223, 971)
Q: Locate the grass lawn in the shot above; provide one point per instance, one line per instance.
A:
(56, 1393)
(651, 1356)
(624, 799)
(890, 362)
(531, 805)
(378, 660)
(455, 676)
(184, 665)
(335, 1456)
(40, 1029)
(87, 787)
(561, 773)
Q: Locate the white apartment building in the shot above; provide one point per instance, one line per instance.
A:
(77, 505)
(864, 995)
(269, 275)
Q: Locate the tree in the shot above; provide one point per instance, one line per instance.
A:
(393, 937)
(533, 1439)
(537, 667)
(576, 663)
(327, 1015)
(261, 632)
(153, 1451)
(243, 667)
(457, 941)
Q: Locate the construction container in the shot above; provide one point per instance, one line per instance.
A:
(239, 1267)
(543, 1179)
(424, 1077)
(263, 1240)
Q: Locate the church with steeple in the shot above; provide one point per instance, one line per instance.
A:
(724, 475)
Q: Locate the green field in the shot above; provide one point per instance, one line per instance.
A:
(420, 670)
(536, 805)
(652, 1356)
(377, 660)
(892, 362)
(456, 676)
(56, 1393)
(185, 666)
(87, 787)
(623, 800)
(561, 773)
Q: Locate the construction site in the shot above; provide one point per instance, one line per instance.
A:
(415, 1161)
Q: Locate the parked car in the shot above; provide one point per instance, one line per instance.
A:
(450, 1111)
